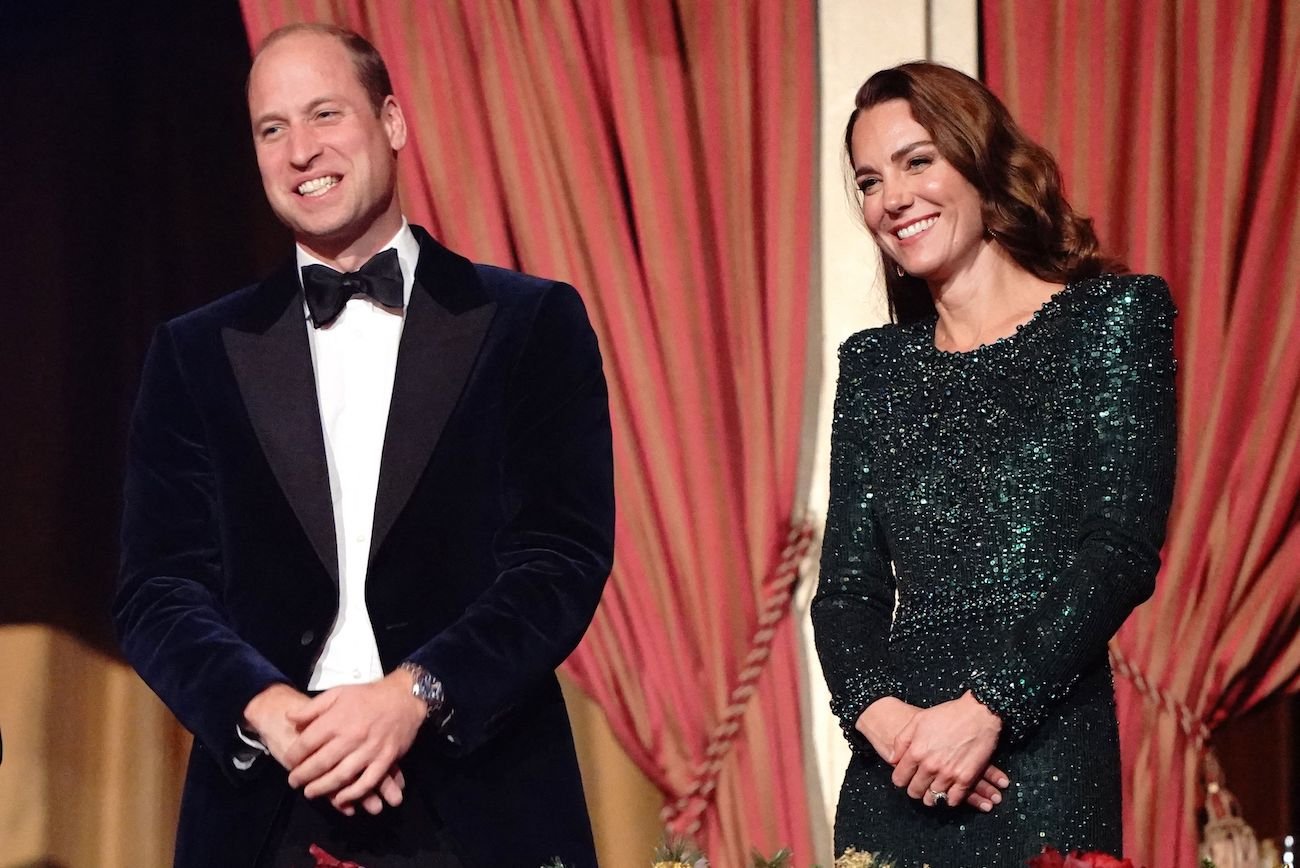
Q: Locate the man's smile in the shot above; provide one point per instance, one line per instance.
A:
(318, 186)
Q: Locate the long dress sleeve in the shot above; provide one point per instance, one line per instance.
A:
(1128, 476)
(853, 607)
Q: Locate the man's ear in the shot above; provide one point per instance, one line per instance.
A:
(390, 113)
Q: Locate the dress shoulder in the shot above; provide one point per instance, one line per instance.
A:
(869, 349)
(1128, 299)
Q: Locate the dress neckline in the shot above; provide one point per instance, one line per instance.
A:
(1042, 312)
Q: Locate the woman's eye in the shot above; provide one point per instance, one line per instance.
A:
(865, 185)
(919, 162)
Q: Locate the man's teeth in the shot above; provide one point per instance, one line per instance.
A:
(317, 186)
(918, 226)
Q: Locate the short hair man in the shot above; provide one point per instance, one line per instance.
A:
(369, 509)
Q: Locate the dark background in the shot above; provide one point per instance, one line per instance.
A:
(129, 194)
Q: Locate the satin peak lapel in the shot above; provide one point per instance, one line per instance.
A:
(438, 349)
(273, 369)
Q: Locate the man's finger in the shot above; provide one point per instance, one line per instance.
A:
(308, 741)
(340, 776)
(369, 779)
(391, 791)
(312, 709)
(317, 763)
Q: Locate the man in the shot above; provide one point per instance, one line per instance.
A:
(369, 509)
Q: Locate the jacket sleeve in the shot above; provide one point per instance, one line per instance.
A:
(556, 549)
(167, 609)
(852, 610)
(1129, 477)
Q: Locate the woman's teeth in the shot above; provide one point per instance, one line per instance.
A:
(919, 226)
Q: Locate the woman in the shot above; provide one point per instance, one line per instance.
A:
(1002, 463)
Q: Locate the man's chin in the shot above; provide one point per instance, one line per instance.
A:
(323, 232)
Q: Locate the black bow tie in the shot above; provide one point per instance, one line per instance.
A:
(327, 291)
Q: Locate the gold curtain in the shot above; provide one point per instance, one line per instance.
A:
(93, 762)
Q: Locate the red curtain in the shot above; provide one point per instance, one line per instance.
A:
(1177, 125)
(657, 154)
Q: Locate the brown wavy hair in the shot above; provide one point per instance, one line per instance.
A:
(1018, 180)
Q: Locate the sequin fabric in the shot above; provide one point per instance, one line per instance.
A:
(1014, 497)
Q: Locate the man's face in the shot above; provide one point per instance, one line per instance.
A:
(328, 163)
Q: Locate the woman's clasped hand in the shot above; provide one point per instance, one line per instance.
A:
(941, 754)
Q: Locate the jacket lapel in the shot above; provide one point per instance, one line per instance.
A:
(446, 322)
(271, 359)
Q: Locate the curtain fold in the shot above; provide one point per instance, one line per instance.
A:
(656, 155)
(93, 761)
(1178, 129)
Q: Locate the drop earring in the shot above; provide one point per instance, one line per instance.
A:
(898, 269)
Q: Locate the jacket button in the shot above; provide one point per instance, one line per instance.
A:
(307, 636)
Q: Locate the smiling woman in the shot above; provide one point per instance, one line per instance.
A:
(935, 130)
(1001, 468)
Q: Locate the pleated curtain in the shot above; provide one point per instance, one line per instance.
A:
(657, 155)
(1177, 125)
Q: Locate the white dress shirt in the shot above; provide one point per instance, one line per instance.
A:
(355, 359)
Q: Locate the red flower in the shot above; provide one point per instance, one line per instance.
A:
(1052, 858)
(1098, 859)
(1049, 858)
(325, 860)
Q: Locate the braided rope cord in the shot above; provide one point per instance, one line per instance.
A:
(1188, 720)
(686, 813)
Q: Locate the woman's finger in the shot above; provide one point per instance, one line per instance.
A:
(997, 777)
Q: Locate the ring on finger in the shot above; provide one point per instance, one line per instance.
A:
(940, 798)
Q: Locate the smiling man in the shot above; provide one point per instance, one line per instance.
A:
(368, 511)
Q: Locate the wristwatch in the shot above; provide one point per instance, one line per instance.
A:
(428, 690)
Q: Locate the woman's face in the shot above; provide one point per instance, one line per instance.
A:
(919, 208)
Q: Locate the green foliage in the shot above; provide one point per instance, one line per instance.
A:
(780, 859)
(677, 848)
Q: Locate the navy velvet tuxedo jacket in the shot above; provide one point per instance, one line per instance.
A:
(493, 537)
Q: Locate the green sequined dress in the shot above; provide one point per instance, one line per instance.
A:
(1019, 491)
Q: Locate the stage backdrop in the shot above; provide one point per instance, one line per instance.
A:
(1178, 128)
(656, 155)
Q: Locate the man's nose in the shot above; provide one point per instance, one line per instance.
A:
(303, 147)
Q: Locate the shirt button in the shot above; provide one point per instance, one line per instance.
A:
(356, 674)
(307, 636)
